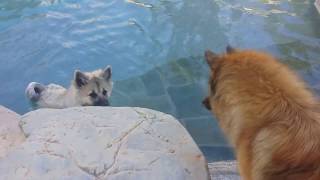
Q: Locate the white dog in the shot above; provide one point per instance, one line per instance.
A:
(86, 89)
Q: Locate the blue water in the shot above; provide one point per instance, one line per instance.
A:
(155, 48)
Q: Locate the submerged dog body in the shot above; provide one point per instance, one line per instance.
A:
(87, 89)
(267, 113)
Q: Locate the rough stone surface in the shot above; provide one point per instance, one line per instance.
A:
(10, 133)
(104, 143)
(224, 170)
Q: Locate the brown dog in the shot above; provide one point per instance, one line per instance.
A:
(268, 115)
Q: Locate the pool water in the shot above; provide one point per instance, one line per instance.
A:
(155, 47)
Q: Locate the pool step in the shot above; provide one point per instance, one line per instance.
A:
(317, 4)
(224, 170)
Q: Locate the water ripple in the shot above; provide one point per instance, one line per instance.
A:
(145, 5)
(58, 15)
(45, 40)
(49, 2)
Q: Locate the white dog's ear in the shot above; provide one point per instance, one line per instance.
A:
(107, 72)
(80, 79)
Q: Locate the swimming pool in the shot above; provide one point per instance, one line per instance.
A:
(155, 48)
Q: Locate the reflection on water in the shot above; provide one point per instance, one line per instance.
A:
(155, 47)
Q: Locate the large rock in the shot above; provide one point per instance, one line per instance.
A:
(104, 143)
(10, 133)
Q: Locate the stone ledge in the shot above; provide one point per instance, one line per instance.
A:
(104, 143)
(42, 144)
(11, 135)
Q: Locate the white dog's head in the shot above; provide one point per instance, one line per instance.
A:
(93, 88)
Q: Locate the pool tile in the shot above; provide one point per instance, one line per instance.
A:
(187, 100)
(120, 99)
(205, 131)
(153, 83)
(173, 74)
(133, 86)
(194, 67)
(184, 71)
(159, 103)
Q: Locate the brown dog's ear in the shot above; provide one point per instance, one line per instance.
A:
(210, 57)
(206, 103)
(230, 49)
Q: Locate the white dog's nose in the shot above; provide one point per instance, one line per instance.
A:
(33, 91)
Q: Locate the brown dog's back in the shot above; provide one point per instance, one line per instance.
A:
(268, 114)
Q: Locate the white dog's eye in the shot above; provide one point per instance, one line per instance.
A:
(104, 92)
(93, 94)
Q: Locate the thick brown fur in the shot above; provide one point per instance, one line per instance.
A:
(268, 114)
